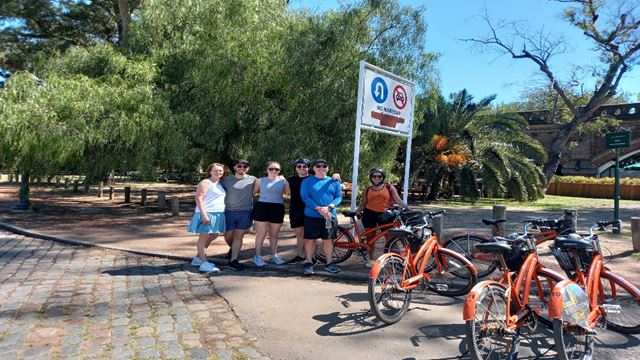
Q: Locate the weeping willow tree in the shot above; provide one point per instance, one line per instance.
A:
(467, 144)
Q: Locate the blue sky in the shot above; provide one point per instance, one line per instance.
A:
(484, 72)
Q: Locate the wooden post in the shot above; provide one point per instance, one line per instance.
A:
(437, 227)
(635, 233)
(57, 181)
(499, 213)
(75, 185)
(127, 194)
(66, 183)
(161, 200)
(10, 178)
(100, 188)
(86, 186)
(175, 206)
(110, 192)
(571, 217)
(143, 197)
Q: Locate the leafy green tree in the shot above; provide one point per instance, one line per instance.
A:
(93, 111)
(469, 141)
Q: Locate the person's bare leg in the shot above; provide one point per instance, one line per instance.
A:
(310, 248)
(236, 245)
(300, 240)
(261, 233)
(203, 242)
(327, 249)
(229, 237)
(274, 230)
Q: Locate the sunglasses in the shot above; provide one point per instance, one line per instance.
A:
(273, 169)
(242, 166)
(301, 166)
(376, 176)
(322, 166)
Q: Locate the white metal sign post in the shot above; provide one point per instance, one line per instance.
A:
(385, 104)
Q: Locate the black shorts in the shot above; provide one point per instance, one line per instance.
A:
(268, 212)
(370, 218)
(296, 218)
(315, 228)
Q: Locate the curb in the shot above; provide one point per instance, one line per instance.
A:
(289, 269)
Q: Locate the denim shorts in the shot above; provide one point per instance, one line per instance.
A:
(238, 220)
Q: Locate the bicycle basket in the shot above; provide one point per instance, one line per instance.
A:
(414, 243)
(516, 257)
(566, 249)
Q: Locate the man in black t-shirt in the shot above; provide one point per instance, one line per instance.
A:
(296, 207)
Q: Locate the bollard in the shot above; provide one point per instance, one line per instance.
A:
(66, 183)
(127, 194)
(110, 192)
(635, 233)
(143, 197)
(57, 181)
(499, 213)
(161, 200)
(175, 206)
(570, 219)
(437, 227)
(100, 188)
(10, 178)
(86, 186)
(75, 185)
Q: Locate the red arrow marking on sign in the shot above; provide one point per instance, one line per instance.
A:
(387, 120)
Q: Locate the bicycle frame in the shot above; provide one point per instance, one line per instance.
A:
(354, 228)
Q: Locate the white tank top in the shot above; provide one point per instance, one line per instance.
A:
(214, 200)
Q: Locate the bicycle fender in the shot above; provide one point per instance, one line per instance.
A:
(469, 307)
(375, 269)
(569, 302)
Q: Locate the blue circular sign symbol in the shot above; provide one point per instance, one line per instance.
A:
(379, 90)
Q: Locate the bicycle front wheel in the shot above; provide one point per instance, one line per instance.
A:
(388, 300)
(571, 341)
(465, 244)
(342, 247)
(486, 335)
(621, 306)
(454, 278)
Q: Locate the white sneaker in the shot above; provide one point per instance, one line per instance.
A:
(196, 261)
(259, 261)
(275, 259)
(209, 267)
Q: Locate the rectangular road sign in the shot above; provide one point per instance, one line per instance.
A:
(617, 140)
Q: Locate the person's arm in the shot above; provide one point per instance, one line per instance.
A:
(396, 197)
(305, 194)
(256, 186)
(201, 192)
(337, 198)
(287, 189)
(363, 196)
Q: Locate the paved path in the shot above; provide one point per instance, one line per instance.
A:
(59, 301)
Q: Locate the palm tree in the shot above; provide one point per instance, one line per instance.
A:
(464, 143)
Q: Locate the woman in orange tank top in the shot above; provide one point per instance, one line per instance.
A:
(375, 200)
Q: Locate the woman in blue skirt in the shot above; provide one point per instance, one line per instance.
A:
(208, 219)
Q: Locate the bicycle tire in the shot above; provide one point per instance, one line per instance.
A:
(547, 282)
(571, 341)
(486, 339)
(340, 253)
(456, 277)
(396, 245)
(623, 310)
(387, 299)
(464, 245)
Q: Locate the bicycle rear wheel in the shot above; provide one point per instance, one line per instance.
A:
(486, 338)
(571, 341)
(342, 247)
(387, 299)
(455, 277)
(623, 308)
(396, 245)
(464, 244)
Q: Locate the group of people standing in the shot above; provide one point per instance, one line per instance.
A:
(224, 205)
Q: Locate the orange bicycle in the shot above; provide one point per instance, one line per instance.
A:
(548, 229)
(598, 298)
(421, 265)
(345, 244)
(495, 311)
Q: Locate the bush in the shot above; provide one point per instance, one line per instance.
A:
(592, 180)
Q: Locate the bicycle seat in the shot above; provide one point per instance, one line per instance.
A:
(572, 242)
(492, 221)
(400, 232)
(500, 247)
(350, 214)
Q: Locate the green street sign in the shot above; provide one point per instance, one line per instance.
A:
(617, 140)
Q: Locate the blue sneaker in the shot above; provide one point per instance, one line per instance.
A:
(332, 268)
(308, 269)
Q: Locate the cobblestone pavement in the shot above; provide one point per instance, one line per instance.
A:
(59, 301)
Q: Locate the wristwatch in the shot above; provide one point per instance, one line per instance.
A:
(331, 206)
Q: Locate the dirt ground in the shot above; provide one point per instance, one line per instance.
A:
(94, 219)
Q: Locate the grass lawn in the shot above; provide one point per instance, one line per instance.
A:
(548, 203)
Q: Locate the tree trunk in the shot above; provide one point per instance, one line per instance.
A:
(125, 19)
(24, 193)
(560, 141)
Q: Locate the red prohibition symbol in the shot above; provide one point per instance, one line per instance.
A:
(399, 97)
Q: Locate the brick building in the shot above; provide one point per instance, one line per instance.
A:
(591, 158)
